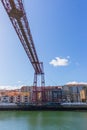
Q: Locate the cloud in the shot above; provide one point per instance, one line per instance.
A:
(60, 61)
(9, 87)
(68, 57)
(75, 82)
(19, 81)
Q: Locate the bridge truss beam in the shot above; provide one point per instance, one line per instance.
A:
(17, 15)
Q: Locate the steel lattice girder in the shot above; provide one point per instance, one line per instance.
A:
(17, 15)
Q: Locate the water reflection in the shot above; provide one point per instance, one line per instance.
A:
(43, 120)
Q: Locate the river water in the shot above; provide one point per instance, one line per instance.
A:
(43, 120)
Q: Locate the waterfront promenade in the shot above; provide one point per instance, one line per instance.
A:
(40, 107)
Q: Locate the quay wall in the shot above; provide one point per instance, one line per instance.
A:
(42, 107)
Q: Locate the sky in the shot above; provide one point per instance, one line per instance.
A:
(59, 31)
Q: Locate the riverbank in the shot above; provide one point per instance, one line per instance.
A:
(59, 107)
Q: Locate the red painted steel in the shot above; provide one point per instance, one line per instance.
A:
(17, 15)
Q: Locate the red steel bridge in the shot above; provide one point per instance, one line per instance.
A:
(16, 12)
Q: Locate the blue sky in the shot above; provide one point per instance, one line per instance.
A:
(59, 30)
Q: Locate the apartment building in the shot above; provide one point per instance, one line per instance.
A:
(74, 92)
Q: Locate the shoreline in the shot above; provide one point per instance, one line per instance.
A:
(43, 108)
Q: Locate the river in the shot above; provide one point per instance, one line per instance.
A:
(43, 120)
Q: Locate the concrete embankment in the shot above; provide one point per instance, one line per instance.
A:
(61, 107)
